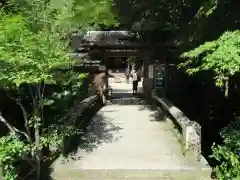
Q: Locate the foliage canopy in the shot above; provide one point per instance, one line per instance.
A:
(221, 56)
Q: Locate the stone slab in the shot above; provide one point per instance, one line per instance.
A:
(133, 175)
(128, 137)
(130, 141)
(191, 130)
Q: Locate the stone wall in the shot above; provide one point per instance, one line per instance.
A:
(79, 116)
(190, 130)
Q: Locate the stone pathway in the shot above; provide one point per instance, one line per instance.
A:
(128, 138)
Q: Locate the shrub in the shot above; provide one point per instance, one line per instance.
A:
(228, 154)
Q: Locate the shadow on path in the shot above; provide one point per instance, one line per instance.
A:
(100, 131)
(71, 144)
(157, 114)
(117, 95)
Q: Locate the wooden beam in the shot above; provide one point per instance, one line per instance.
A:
(116, 46)
(123, 54)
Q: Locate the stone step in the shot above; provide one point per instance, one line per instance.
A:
(78, 174)
(128, 101)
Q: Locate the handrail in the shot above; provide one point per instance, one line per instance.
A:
(73, 115)
(191, 130)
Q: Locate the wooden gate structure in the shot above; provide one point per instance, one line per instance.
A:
(96, 47)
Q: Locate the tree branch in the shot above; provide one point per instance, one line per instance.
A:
(25, 116)
(12, 128)
(40, 94)
(33, 98)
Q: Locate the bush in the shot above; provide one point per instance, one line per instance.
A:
(228, 154)
(12, 149)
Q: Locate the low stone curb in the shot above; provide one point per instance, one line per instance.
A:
(128, 101)
(190, 130)
(74, 117)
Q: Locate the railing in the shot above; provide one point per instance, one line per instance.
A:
(75, 116)
(190, 131)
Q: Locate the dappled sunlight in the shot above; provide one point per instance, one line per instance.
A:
(157, 114)
(100, 131)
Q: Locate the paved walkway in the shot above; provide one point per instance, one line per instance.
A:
(129, 137)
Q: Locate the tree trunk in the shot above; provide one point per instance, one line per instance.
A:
(1, 170)
(38, 150)
(226, 94)
(37, 123)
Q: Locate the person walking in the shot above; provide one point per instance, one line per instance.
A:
(135, 82)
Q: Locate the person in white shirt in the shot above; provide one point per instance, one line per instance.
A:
(135, 82)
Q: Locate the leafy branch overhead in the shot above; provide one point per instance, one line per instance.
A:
(28, 57)
(30, 43)
(220, 56)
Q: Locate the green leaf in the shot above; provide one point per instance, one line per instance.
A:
(221, 56)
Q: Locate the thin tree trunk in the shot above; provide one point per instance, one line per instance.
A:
(1, 170)
(38, 120)
(25, 117)
(226, 87)
(12, 128)
(36, 96)
(38, 150)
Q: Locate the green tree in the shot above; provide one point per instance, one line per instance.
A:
(155, 20)
(33, 49)
(211, 42)
(221, 56)
(29, 58)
